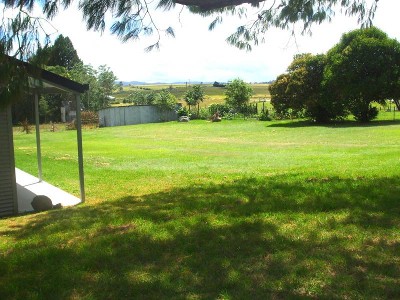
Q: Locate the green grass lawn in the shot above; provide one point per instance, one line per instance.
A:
(232, 210)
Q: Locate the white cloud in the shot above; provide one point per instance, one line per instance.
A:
(197, 54)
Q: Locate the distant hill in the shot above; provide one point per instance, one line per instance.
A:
(126, 83)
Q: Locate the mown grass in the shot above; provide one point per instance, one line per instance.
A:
(230, 210)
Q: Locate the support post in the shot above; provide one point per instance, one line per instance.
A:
(38, 147)
(80, 147)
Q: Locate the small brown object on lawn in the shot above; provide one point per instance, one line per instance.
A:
(25, 126)
(216, 117)
(52, 127)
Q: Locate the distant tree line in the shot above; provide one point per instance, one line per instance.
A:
(140, 98)
(237, 97)
(61, 58)
(219, 84)
(362, 69)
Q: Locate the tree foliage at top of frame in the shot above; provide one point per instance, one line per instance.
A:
(131, 19)
(22, 33)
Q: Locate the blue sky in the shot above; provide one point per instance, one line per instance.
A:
(196, 54)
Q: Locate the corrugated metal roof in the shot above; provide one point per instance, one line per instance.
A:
(48, 82)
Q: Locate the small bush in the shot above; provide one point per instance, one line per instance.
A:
(289, 114)
(222, 109)
(264, 116)
(229, 116)
(25, 126)
(71, 125)
(201, 114)
(366, 114)
(183, 112)
(204, 114)
(89, 117)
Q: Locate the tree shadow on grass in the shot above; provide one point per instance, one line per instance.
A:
(335, 124)
(274, 237)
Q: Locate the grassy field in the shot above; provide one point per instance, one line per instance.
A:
(231, 210)
(213, 94)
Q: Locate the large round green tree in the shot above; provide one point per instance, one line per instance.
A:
(237, 95)
(364, 67)
(280, 98)
(300, 90)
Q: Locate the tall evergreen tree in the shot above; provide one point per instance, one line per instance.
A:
(61, 53)
(60, 58)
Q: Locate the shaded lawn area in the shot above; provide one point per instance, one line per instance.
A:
(305, 228)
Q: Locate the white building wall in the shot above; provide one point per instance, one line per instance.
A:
(8, 191)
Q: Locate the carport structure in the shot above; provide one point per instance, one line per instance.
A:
(18, 188)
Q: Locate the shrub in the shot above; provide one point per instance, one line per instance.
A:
(26, 127)
(222, 109)
(201, 114)
(183, 112)
(229, 116)
(288, 114)
(71, 125)
(165, 102)
(264, 116)
(204, 114)
(248, 110)
(89, 117)
(365, 115)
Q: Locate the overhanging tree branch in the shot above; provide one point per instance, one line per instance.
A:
(207, 5)
(131, 19)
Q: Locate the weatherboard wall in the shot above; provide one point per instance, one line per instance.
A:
(8, 190)
(130, 115)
